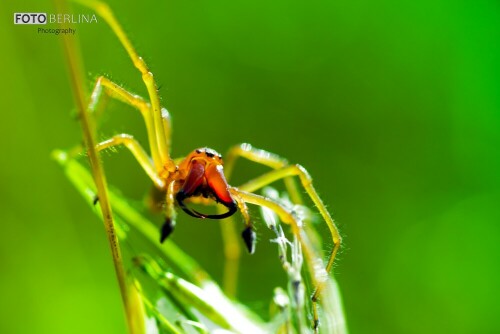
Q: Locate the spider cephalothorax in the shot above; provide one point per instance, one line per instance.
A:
(205, 178)
(200, 178)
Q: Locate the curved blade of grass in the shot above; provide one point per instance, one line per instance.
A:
(189, 294)
(164, 325)
(126, 216)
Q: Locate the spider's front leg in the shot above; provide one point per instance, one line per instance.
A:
(317, 274)
(306, 181)
(274, 161)
(232, 250)
(261, 157)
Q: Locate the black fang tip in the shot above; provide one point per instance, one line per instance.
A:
(96, 199)
(166, 229)
(249, 237)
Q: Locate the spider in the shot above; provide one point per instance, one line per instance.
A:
(200, 176)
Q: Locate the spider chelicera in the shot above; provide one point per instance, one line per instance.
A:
(200, 176)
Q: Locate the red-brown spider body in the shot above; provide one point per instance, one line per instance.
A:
(201, 174)
(200, 178)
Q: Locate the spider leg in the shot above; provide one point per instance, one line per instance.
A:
(160, 116)
(104, 85)
(317, 275)
(262, 157)
(232, 249)
(138, 152)
(170, 213)
(232, 254)
(248, 233)
(306, 181)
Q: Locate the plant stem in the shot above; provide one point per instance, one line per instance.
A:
(75, 69)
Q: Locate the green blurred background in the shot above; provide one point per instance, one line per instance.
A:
(393, 106)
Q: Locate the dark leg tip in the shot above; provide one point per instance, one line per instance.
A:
(166, 229)
(96, 199)
(316, 326)
(249, 237)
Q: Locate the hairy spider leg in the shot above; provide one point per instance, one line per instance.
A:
(312, 257)
(232, 249)
(104, 85)
(287, 173)
(248, 233)
(262, 157)
(306, 181)
(160, 116)
(140, 155)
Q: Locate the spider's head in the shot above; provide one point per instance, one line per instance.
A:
(205, 177)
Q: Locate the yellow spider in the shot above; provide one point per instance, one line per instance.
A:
(200, 176)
